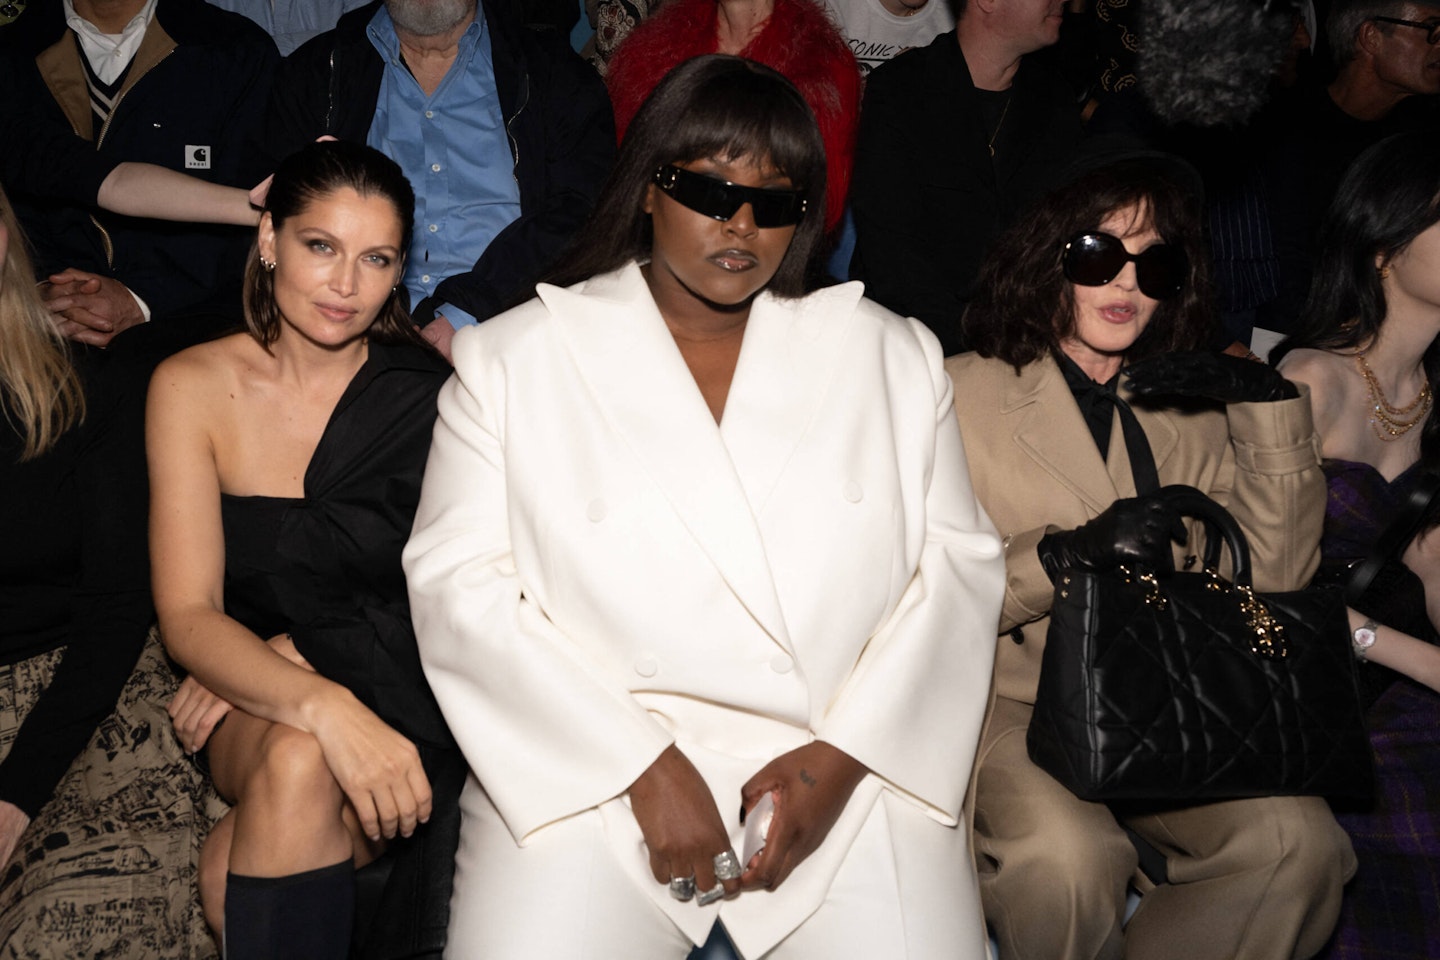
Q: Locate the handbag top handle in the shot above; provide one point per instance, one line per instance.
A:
(1220, 528)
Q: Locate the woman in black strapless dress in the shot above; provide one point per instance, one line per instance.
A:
(286, 468)
(1371, 356)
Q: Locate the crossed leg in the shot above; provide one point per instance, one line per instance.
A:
(287, 850)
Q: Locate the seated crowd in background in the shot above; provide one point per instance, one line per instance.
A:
(217, 730)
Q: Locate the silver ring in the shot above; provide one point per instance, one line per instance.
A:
(682, 888)
(708, 897)
(727, 866)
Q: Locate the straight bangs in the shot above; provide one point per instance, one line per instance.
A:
(735, 123)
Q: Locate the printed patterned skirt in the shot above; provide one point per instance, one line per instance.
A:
(108, 867)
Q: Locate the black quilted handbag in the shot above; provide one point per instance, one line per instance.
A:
(1186, 687)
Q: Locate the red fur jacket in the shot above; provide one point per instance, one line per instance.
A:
(798, 41)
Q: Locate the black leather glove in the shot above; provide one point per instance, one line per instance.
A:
(1214, 376)
(1136, 531)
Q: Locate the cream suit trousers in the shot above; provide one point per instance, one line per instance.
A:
(564, 895)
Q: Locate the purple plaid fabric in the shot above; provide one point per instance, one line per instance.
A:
(1392, 906)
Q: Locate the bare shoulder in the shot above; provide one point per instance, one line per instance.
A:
(1317, 368)
(1328, 375)
(205, 369)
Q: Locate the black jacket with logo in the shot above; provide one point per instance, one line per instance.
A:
(193, 101)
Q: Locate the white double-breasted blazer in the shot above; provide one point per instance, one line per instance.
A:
(598, 570)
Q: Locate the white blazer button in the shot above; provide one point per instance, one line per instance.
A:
(646, 668)
(595, 511)
(853, 493)
(780, 663)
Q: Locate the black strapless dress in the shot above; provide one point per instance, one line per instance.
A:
(326, 567)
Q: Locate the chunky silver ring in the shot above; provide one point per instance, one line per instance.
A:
(727, 866)
(682, 888)
(708, 897)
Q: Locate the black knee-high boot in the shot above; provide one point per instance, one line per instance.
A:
(305, 916)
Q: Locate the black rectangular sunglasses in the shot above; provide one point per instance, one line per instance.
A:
(721, 199)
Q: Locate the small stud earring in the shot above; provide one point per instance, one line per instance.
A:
(1385, 272)
(269, 265)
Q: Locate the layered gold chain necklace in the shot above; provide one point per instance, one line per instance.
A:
(1390, 422)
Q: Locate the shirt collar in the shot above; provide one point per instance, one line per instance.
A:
(381, 32)
(101, 48)
(86, 29)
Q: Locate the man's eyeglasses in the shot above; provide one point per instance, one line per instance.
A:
(1431, 26)
(720, 199)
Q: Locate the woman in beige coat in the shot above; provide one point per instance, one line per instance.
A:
(1107, 273)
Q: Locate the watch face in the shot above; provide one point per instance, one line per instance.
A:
(1364, 638)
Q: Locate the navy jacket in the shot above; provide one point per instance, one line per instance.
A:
(561, 132)
(193, 102)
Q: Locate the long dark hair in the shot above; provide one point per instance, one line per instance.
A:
(1024, 307)
(710, 106)
(1389, 196)
(308, 176)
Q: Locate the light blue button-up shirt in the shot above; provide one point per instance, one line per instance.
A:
(291, 22)
(454, 148)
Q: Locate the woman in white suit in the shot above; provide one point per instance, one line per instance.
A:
(692, 534)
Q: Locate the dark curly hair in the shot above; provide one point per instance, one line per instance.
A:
(307, 176)
(710, 106)
(1024, 307)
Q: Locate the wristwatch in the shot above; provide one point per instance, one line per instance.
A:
(1364, 638)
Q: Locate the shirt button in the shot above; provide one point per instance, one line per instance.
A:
(425, 279)
(595, 512)
(433, 228)
(853, 493)
(646, 667)
(781, 663)
(429, 114)
(434, 168)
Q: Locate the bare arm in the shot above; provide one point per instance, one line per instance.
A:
(148, 190)
(1418, 660)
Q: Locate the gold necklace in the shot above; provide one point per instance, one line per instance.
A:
(1391, 422)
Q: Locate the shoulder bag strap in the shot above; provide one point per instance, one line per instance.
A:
(1396, 536)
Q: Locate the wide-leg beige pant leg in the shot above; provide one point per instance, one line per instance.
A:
(1249, 880)
(1054, 869)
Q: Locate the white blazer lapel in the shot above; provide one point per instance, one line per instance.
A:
(627, 357)
(786, 365)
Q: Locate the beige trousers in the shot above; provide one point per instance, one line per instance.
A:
(1247, 879)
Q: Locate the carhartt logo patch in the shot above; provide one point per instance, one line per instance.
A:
(197, 157)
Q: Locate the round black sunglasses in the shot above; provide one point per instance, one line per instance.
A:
(1094, 259)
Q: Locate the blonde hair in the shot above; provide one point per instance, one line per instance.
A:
(41, 392)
